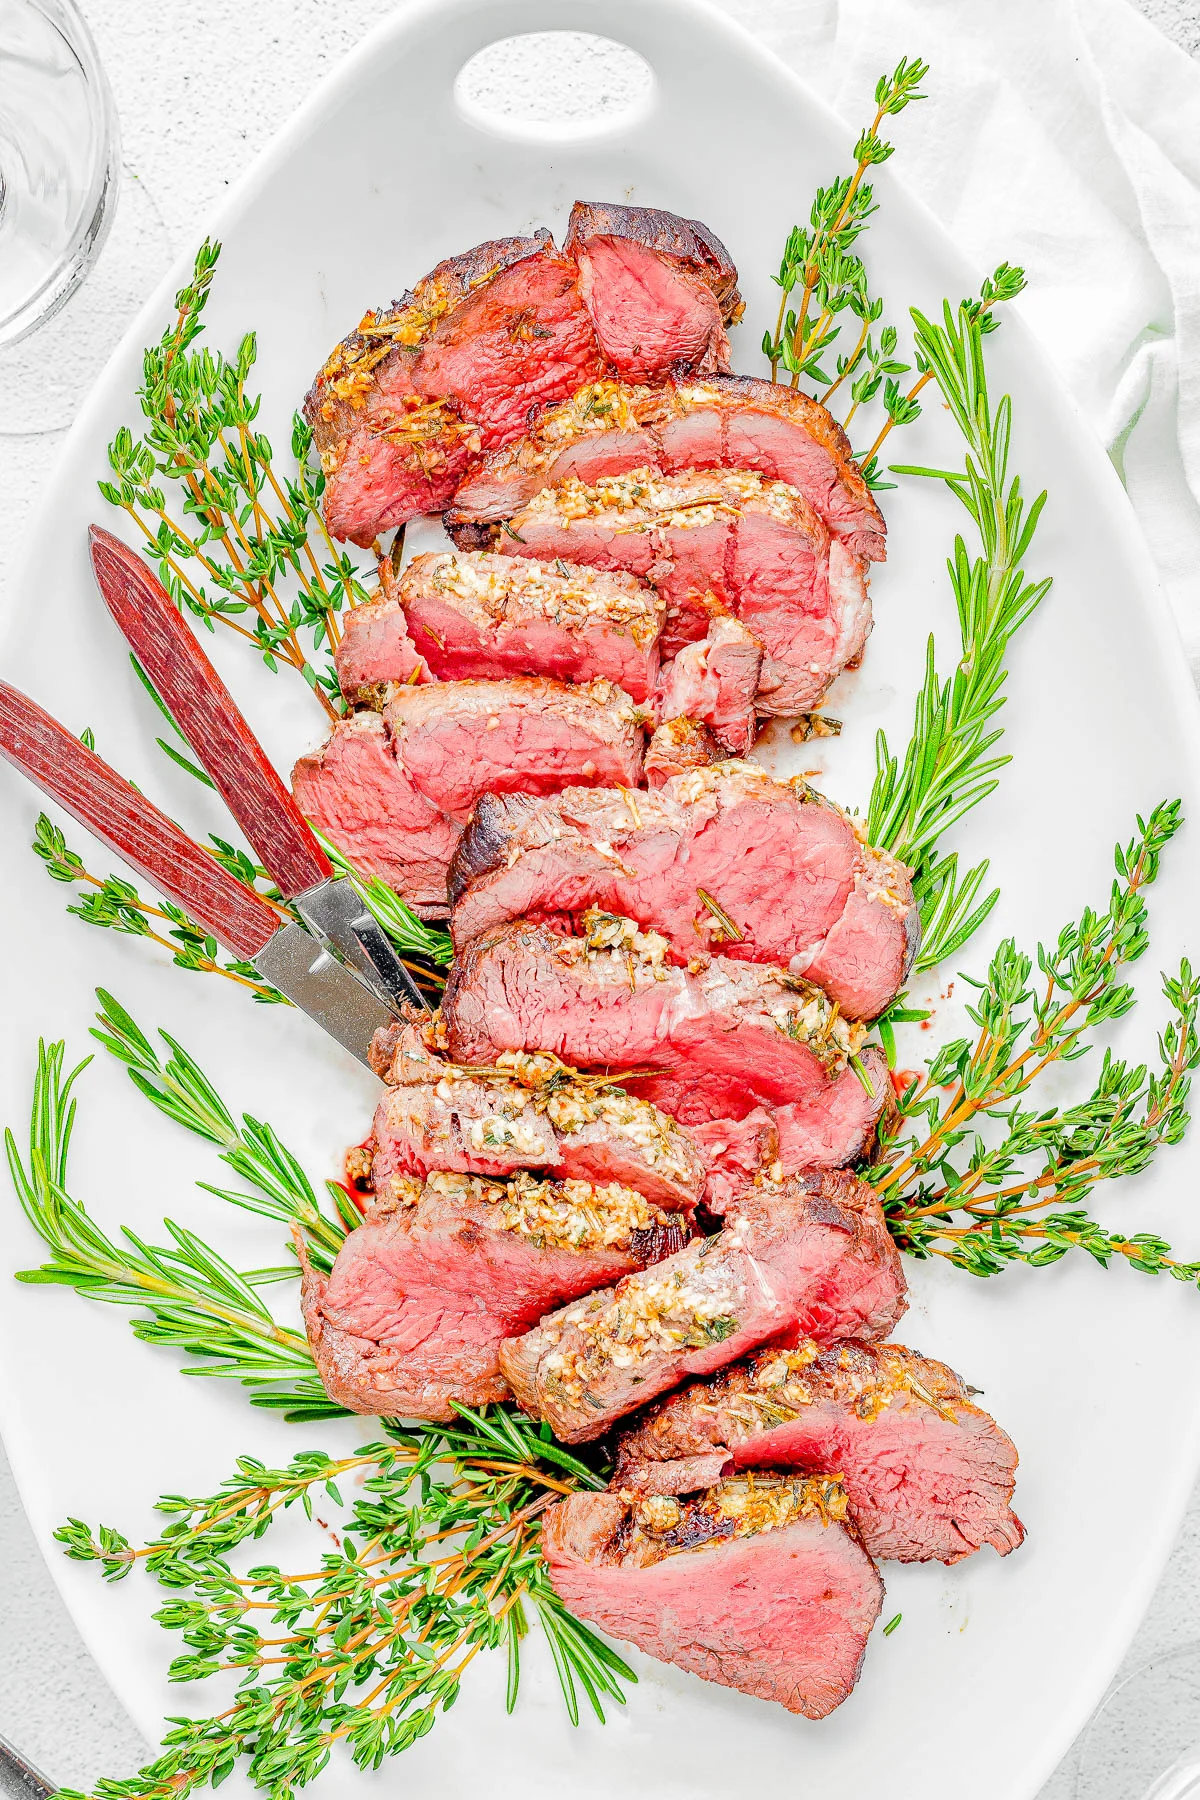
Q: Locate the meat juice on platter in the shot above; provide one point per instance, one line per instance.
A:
(612, 1176)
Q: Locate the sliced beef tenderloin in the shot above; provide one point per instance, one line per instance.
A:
(531, 1112)
(707, 1043)
(677, 746)
(759, 1584)
(810, 1254)
(457, 740)
(389, 451)
(481, 615)
(355, 791)
(376, 648)
(928, 1475)
(715, 681)
(721, 858)
(736, 1152)
(394, 792)
(424, 1291)
(723, 537)
(660, 289)
(734, 422)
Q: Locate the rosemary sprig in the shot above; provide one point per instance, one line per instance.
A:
(234, 542)
(435, 1560)
(954, 1185)
(410, 935)
(185, 1293)
(952, 761)
(178, 1087)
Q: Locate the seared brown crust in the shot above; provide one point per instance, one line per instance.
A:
(484, 843)
(688, 240)
(337, 396)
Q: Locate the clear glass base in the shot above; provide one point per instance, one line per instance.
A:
(1144, 1742)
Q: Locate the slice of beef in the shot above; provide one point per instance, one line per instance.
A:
(458, 739)
(354, 790)
(929, 1476)
(715, 680)
(810, 1254)
(532, 1112)
(376, 648)
(722, 858)
(719, 1039)
(482, 615)
(736, 1152)
(394, 792)
(759, 1585)
(660, 289)
(388, 452)
(424, 1291)
(677, 746)
(723, 537)
(734, 422)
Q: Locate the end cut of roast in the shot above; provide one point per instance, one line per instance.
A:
(810, 1254)
(724, 858)
(425, 1290)
(928, 1475)
(760, 1585)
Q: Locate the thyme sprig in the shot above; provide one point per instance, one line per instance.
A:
(952, 761)
(235, 542)
(435, 1560)
(971, 1169)
(822, 270)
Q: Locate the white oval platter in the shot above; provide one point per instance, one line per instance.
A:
(997, 1663)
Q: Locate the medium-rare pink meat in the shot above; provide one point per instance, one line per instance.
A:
(715, 681)
(376, 648)
(532, 1112)
(393, 793)
(720, 1039)
(660, 289)
(929, 1477)
(677, 746)
(810, 1254)
(354, 790)
(733, 422)
(479, 614)
(723, 858)
(424, 1291)
(459, 739)
(719, 538)
(758, 1584)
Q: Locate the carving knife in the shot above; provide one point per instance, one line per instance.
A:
(209, 718)
(283, 953)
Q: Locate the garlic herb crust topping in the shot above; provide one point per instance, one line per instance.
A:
(738, 1507)
(684, 1308)
(684, 504)
(566, 1215)
(560, 591)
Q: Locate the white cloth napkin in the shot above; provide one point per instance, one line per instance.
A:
(1063, 135)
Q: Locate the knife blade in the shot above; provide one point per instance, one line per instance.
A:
(211, 721)
(283, 953)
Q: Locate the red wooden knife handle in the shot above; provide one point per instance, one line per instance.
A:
(207, 715)
(98, 797)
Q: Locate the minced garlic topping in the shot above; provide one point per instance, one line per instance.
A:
(779, 1384)
(739, 1507)
(685, 502)
(684, 1308)
(572, 1215)
(564, 593)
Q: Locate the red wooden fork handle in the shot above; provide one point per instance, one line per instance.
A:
(207, 715)
(100, 799)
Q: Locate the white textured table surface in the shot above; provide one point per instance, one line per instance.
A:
(199, 90)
